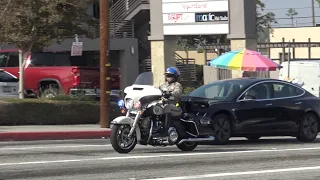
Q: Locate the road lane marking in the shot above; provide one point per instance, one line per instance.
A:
(239, 173)
(158, 156)
(50, 147)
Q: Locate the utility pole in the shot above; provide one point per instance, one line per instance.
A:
(104, 64)
(313, 13)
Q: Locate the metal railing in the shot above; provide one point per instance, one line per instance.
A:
(182, 60)
(188, 71)
(143, 45)
(122, 8)
(117, 29)
(187, 68)
(179, 59)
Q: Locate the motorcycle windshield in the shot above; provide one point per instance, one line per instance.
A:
(145, 78)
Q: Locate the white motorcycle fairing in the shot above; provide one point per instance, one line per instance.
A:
(136, 92)
(127, 120)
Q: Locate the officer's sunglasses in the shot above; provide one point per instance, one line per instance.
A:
(169, 75)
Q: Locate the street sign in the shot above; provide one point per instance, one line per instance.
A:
(76, 49)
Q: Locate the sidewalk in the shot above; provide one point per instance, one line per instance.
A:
(52, 132)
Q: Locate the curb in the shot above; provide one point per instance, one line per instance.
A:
(53, 135)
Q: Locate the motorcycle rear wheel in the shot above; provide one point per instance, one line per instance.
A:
(119, 138)
(187, 146)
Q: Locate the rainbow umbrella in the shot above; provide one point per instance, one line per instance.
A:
(245, 60)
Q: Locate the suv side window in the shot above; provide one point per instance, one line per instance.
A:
(13, 59)
(61, 59)
(3, 59)
(9, 59)
(42, 59)
(50, 59)
(283, 90)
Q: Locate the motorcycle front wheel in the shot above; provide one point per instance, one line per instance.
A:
(120, 140)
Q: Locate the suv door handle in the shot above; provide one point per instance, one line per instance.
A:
(298, 103)
(270, 104)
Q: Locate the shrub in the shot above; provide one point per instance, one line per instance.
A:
(187, 90)
(51, 112)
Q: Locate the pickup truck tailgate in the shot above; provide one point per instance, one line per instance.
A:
(89, 77)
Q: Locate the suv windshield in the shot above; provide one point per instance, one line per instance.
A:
(220, 90)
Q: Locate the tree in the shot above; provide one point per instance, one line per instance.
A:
(291, 13)
(185, 44)
(31, 25)
(264, 21)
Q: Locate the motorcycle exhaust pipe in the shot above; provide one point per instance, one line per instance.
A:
(211, 138)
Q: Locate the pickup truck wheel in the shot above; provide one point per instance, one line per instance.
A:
(50, 92)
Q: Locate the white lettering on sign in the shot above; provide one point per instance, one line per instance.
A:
(195, 6)
(205, 17)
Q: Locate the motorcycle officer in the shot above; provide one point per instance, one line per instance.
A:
(172, 88)
(172, 91)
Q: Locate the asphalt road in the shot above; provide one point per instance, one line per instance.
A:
(269, 158)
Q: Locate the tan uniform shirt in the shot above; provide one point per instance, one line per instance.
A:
(174, 88)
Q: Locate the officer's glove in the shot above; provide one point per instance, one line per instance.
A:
(167, 94)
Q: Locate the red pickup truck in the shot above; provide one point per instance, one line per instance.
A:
(50, 73)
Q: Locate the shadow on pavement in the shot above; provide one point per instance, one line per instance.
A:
(234, 144)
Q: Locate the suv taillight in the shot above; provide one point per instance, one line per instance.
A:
(76, 76)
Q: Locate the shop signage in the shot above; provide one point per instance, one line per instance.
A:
(211, 17)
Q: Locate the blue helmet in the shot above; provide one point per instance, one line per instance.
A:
(173, 70)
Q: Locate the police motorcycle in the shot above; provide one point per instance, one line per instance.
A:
(151, 120)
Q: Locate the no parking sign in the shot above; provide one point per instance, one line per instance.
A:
(76, 49)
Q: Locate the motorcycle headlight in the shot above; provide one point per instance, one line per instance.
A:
(137, 105)
(129, 103)
(157, 110)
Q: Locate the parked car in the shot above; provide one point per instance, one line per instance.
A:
(50, 73)
(253, 107)
(9, 85)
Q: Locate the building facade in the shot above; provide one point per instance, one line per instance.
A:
(128, 26)
(295, 34)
